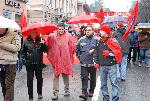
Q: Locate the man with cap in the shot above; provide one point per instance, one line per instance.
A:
(125, 45)
(60, 54)
(107, 54)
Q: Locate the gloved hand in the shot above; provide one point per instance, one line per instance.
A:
(106, 53)
(96, 66)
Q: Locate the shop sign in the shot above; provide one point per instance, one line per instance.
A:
(12, 3)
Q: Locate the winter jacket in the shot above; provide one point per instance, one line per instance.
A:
(84, 45)
(100, 59)
(33, 52)
(134, 39)
(144, 40)
(125, 44)
(10, 45)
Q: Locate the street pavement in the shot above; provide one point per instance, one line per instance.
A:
(135, 88)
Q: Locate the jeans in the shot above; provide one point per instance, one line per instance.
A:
(7, 79)
(124, 66)
(85, 71)
(144, 55)
(118, 70)
(31, 68)
(111, 73)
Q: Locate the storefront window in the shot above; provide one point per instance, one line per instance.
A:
(17, 17)
(7, 14)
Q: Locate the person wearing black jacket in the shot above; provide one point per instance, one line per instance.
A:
(105, 56)
(33, 50)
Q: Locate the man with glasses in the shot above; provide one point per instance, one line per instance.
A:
(84, 51)
(60, 54)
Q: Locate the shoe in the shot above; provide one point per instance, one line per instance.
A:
(40, 96)
(115, 98)
(140, 64)
(91, 94)
(30, 99)
(128, 61)
(83, 96)
(134, 63)
(106, 98)
(67, 93)
(55, 96)
(147, 66)
(123, 80)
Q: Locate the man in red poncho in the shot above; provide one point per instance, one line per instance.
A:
(107, 54)
(60, 54)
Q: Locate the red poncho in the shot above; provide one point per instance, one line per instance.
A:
(60, 54)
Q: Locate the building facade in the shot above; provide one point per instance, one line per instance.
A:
(51, 10)
(12, 8)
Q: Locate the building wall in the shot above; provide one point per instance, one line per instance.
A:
(57, 9)
(79, 9)
(12, 11)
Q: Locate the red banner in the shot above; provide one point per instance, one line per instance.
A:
(126, 14)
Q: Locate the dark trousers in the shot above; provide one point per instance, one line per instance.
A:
(31, 68)
(85, 71)
(7, 78)
(135, 51)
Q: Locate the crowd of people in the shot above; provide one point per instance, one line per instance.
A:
(103, 49)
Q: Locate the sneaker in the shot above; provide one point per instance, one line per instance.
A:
(147, 66)
(128, 61)
(123, 80)
(30, 99)
(40, 96)
(55, 96)
(115, 98)
(134, 63)
(91, 94)
(83, 96)
(106, 98)
(140, 64)
(67, 93)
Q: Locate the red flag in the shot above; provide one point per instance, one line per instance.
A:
(23, 22)
(100, 15)
(131, 21)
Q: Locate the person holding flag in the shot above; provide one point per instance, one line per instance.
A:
(125, 45)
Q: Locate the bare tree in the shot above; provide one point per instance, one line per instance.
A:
(144, 11)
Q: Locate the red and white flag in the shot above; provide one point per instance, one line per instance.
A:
(131, 21)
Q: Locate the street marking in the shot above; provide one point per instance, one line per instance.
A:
(97, 90)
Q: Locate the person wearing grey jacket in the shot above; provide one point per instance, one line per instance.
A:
(125, 45)
(84, 52)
